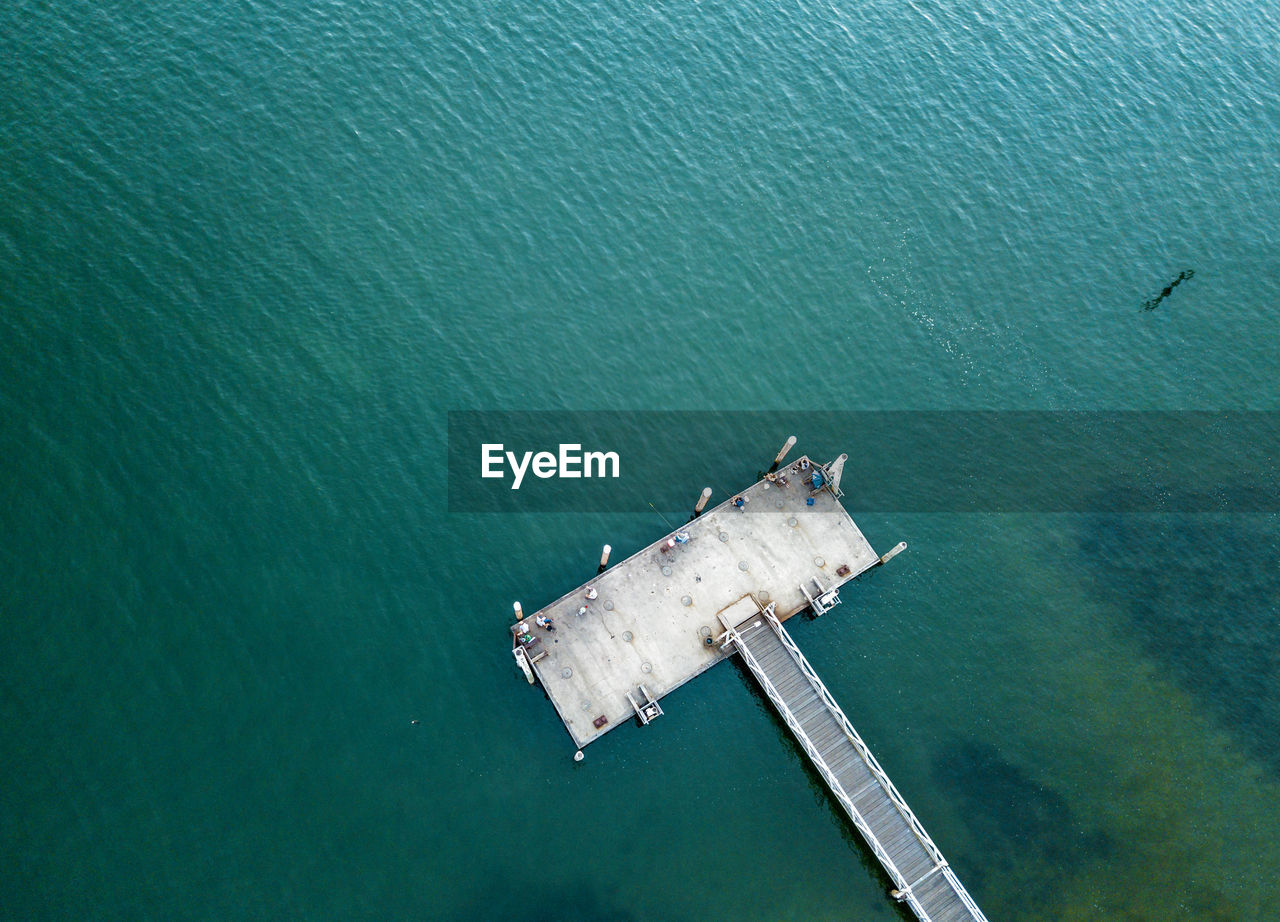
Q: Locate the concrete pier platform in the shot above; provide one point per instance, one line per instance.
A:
(649, 618)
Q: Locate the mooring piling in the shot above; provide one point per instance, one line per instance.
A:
(790, 443)
(894, 552)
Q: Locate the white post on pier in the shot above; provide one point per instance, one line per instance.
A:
(790, 443)
(897, 549)
(604, 559)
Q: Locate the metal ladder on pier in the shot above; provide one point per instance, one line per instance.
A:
(921, 876)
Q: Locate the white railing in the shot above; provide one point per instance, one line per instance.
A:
(878, 773)
(819, 763)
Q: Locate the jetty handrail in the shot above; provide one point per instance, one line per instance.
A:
(877, 772)
(816, 757)
(872, 764)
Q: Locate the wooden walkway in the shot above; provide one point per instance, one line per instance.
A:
(920, 874)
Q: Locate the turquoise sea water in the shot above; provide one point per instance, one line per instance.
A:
(251, 255)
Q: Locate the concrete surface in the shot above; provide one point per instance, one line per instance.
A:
(654, 611)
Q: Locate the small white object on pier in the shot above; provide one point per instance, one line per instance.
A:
(834, 471)
(824, 601)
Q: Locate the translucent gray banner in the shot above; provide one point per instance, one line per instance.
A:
(899, 461)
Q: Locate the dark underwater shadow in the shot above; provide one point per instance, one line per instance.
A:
(1201, 593)
(1027, 831)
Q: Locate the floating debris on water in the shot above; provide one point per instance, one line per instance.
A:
(1168, 290)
